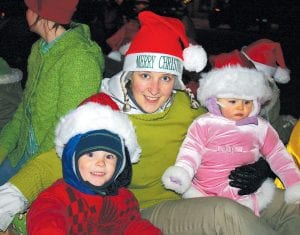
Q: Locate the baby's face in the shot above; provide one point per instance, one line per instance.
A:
(235, 109)
(97, 167)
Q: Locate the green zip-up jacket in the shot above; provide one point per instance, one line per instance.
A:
(58, 80)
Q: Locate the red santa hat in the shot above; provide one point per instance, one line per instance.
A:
(98, 112)
(267, 57)
(233, 76)
(161, 45)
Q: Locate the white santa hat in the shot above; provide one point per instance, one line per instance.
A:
(267, 57)
(233, 77)
(98, 112)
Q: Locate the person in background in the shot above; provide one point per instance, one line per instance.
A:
(177, 9)
(149, 89)
(64, 67)
(127, 31)
(97, 145)
(232, 134)
(267, 57)
(10, 91)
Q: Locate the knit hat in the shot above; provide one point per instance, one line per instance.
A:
(233, 77)
(100, 140)
(267, 57)
(57, 11)
(8, 74)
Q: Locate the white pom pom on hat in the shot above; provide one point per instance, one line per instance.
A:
(268, 58)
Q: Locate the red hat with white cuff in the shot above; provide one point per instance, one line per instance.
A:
(161, 45)
(268, 58)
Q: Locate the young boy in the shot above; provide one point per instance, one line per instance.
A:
(96, 144)
(231, 135)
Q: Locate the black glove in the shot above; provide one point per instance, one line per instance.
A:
(250, 177)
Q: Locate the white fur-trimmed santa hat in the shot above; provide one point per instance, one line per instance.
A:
(233, 77)
(96, 113)
(268, 58)
(161, 45)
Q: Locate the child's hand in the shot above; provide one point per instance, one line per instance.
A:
(250, 177)
(177, 179)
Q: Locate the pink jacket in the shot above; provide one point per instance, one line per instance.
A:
(215, 145)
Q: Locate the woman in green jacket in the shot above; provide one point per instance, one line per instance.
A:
(64, 67)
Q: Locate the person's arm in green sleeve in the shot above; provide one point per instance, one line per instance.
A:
(80, 79)
(10, 133)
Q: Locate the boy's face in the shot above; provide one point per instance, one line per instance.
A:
(97, 167)
(235, 109)
(151, 90)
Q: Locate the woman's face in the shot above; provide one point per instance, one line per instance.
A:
(151, 90)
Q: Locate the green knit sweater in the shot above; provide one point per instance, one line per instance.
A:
(58, 81)
(159, 135)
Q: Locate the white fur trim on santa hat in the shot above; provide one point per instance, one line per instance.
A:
(115, 55)
(266, 69)
(282, 75)
(155, 62)
(92, 116)
(124, 48)
(194, 58)
(292, 194)
(234, 82)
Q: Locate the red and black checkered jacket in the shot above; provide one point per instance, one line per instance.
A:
(62, 209)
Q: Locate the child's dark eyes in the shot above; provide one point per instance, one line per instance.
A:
(110, 156)
(90, 154)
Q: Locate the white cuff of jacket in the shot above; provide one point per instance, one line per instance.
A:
(12, 202)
